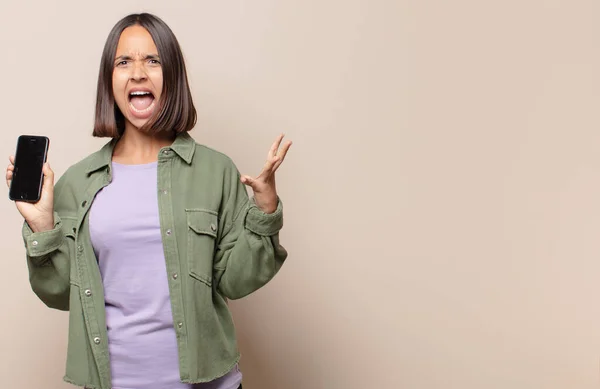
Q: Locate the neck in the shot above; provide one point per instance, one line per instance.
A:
(136, 147)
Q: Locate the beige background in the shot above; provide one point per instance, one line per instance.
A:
(442, 212)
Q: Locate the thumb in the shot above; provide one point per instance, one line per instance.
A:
(48, 175)
(247, 180)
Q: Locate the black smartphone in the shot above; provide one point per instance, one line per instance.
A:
(31, 154)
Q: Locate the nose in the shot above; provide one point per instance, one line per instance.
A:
(138, 72)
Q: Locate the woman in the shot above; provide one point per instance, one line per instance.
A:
(146, 239)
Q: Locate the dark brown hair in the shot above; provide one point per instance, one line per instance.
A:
(176, 111)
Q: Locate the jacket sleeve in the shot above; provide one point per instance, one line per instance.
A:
(48, 261)
(248, 253)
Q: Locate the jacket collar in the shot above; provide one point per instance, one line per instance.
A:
(183, 145)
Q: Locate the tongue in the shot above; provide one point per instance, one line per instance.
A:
(141, 102)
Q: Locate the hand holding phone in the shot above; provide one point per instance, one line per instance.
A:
(31, 182)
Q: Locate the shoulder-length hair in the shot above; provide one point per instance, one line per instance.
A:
(176, 111)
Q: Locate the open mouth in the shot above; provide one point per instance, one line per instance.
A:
(141, 101)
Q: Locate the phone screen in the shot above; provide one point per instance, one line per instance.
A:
(27, 178)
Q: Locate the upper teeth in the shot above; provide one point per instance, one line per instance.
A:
(139, 93)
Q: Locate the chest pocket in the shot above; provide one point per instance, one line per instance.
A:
(201, 243)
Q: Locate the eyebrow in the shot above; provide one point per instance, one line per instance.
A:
(128, 57)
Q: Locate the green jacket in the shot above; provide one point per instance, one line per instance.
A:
(218, 245)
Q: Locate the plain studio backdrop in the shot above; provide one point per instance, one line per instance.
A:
(442, 196)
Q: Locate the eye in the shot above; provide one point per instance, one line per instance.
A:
(155, 62)
(122, 63)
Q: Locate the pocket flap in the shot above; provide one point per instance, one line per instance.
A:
(207, 280)
(203, 222)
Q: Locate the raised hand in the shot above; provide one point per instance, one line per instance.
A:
(40, 215)
(265, 192)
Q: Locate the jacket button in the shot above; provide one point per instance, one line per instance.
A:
(88, 292)
(213, 227)
(97, 340)
(175, 276)
(80, 248)
(168, 232)
(84, 203)
(35, 243)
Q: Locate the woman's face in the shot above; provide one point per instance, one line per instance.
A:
(137, 76)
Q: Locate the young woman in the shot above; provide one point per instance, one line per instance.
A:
(145, 240)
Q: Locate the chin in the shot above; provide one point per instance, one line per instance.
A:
(137, 124)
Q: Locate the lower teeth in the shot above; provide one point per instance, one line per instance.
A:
(143, 110)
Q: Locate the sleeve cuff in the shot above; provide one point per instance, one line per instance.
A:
(264, 224)
(39, 244)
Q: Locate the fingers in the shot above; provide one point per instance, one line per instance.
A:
(276, 157)
(277, 160)
(275, 146)
(274, 160)
(48, 182)
(279, 154)
(282, 153)
(276, 165)
(10, 170)
(9, 175)
(268, 168)
(48, 173)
